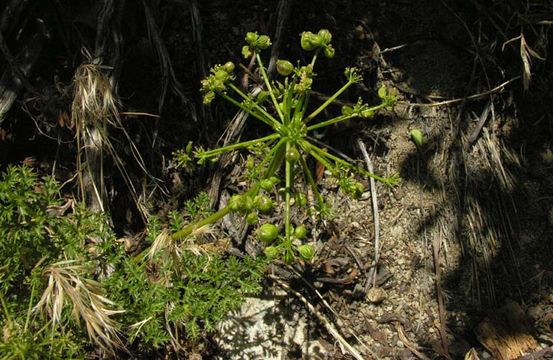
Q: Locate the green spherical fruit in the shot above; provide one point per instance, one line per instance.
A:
(266, 184)
(347, 110)
(248, 203)
(367, 113)
(300, 232)
(382, 92)
(252, 218)
(271, 252)
(221, 75)
(306, 252)
(264, 203)
(267, 233)
(251, 38)
(329, 52)
(236, 202)
(325, 36)
(284, 67)
(229, 67)
(292, 154)
(309, 41)
(263, 41)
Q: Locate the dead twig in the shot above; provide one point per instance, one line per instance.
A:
(415, 349)
(496, 89)
(540, 354)
(481, 122)
(371, 279)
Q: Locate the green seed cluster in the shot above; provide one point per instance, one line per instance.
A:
(321, 40)
(216, 82)
(255, 43)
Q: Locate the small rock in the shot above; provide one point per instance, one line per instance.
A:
(405, 354)
(376, 295)
(486, 355)
(399, 344)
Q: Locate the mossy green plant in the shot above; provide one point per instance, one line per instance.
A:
(66, 280)
(51, 252)
(284, 106)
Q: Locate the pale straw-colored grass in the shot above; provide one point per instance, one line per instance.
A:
(68, 286)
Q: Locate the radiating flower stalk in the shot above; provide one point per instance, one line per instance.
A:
(284, 106)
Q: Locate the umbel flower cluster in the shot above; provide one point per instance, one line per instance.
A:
(280, 159)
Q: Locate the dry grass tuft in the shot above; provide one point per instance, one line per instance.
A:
(164, 244)
(67, 282)
(94, 108)
(526, 55)
(93, 99)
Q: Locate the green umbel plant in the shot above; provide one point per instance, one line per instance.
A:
(282, 156)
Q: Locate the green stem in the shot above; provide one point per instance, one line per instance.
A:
(268, 156)
(335, 120)
(5, 307)
(323, 160)
(310, 179)
(314, 59)
(241, 145)
(249, 111)
(187, 230)
(273, 166)
(29, 309)
(343, 117)
(256, 105)
(350, 166)
(269, 87)
(277, 158)
(299, 107)
(289, 94)
(328, 101)
(288, 180)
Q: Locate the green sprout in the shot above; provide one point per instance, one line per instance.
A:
(283, 105)
(418, 138)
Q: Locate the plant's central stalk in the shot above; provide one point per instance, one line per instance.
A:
(287, 191)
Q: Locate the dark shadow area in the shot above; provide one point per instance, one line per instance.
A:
(498, 186)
